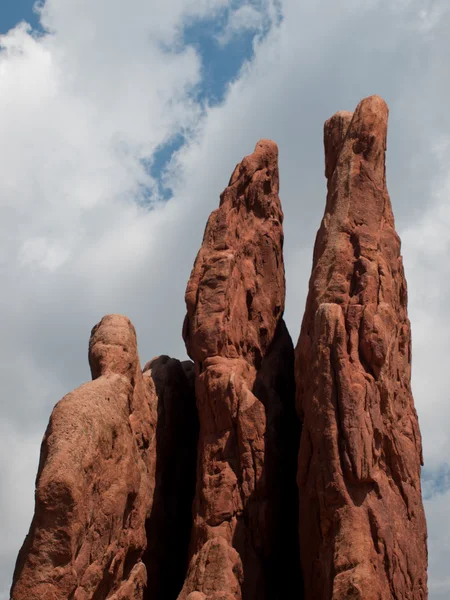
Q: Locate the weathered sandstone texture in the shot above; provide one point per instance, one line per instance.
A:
(189, 480)
(243, 541)
(95, 496)
(95, 481)
(362, 526)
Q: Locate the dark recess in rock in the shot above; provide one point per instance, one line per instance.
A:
(169, 525)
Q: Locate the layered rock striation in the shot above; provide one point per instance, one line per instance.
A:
(362, 526)
(243, 546)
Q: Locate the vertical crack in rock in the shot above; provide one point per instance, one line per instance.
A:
(169, 525)
(244, 540)
(95, 481)
(362, 526)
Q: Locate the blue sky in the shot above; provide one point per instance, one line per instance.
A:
(436, 482)
(221, 63)
(13, 11)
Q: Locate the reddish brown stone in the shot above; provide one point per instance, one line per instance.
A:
(95, 481)
(119, 461)
(362, 525)
(244, 384)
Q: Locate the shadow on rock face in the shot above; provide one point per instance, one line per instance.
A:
(266, 536)
(169, 526)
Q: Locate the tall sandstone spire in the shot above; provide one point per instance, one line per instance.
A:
(243, 541)
(362, 526)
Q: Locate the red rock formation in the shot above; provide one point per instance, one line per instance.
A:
(244, 384)
(120, 463)
(362, 526)
(95, 481)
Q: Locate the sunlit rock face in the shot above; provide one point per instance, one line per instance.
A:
(245, 515)
(362, 525)
(116, 480)
(95, 481)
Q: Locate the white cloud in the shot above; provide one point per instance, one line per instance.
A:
(431, 17)
(438, 516)
(426, 246)
(82, 106)
(16, 491)
(243, 19)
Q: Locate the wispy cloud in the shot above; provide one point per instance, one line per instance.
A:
(243, 19)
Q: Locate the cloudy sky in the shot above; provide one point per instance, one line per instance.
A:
(120, 124)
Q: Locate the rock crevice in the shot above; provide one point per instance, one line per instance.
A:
(168, 527)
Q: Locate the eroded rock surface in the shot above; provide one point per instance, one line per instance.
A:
(95, 481)
(362, 525)
(180, 481)
(244, 535)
